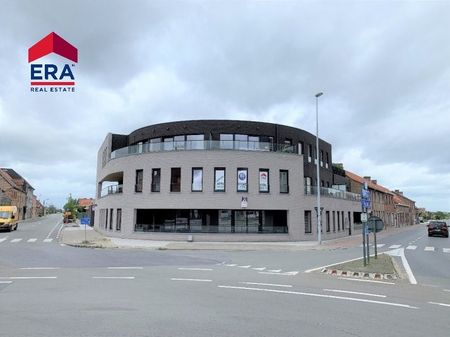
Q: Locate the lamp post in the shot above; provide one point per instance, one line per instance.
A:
(319, 210)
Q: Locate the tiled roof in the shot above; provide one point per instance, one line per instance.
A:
(85, 202)
(399, 201)
(370, 184)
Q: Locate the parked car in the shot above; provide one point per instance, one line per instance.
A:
(437, 228)
(8, 218)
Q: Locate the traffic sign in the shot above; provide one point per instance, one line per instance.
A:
(85, 221)
(375, 224)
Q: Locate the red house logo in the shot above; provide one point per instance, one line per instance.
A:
(49, 74)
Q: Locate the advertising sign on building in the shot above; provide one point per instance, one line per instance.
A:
(263, 181)
(242, 180)
(244, 202)
(219, 182)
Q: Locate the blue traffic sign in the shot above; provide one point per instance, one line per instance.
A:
(85, 221)
(365, 203)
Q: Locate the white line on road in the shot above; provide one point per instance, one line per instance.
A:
(361, 280)
(441, 304)
(321, 296)
(268, 284)
(329, 265)
(5, 282)
(32, 240)
(196, 269)
(231, 265)
(114, 277)
(244, 267)
(3, 239)
(48, 240)
(447, 290)
(287, 273)
(259, 268)
(412, 247)
(190, 279)
(274, 271)
(380, 245)
(353, 292)
(39, 268)
(53, 229)
(29, 277)
(401, 252)
(429, 249)
(446, 250)
(126, 268)
(395, 246)
(15, 240)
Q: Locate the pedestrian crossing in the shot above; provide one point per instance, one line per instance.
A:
(413, 247)
(5, 240)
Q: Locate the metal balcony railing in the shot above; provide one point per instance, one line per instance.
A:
(332, 193)
(203, 145)
(113, 189)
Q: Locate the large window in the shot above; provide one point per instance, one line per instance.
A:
(195, 142)
(284, 181)
(327, 214)
(226, 141)
(219, 179)
(334, 221)
(168, 144)
(241, 142)
(155, 144)
(242, 180)
(178, 142)
(111, 214)
(310, 153)
(139, 180)
(197, 179)
(156, 180)
(118, 219)
(308, 226)
(253, 143)
(264, 186)
(175, 179)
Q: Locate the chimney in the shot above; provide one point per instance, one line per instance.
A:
(398, 192)
(367, 178)
(374, 181)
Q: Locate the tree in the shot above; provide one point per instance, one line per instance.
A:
(71, 206)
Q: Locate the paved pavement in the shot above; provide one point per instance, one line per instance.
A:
(51, 290)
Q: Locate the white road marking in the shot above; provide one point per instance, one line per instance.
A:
(448, 290)
(446, 250)
(5, 282)
(62, 244)
(196, 269)
(40, 268)
(15, 240)
(395, 246)
(3, 239)
(379, 245)
(190, 279)
(32, 240)
(441, 304)
(48, 240)
(274, 271)
(361, 280)
(412, 247)
(244, 266)
(429, 249)
(260, 268)
(353, 292)
(126, 268)
(114, 277)
(268, 284)
(29, 277)
(287, 273)
(333, 264)
(401, 252)
(231, 265)
(321, 296)
(53, 229)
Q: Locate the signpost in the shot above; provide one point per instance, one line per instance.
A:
(85, 221)
(365, 205)
(375, 225)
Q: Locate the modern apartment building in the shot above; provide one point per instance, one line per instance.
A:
(218, 180)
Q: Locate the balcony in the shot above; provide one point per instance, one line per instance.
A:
(332, 193)
(192, 145)
(113, 189)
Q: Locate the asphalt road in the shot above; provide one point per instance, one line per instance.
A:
(51, 290)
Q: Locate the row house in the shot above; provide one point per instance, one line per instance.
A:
(382, 199)
(20, 192)
(405, 210)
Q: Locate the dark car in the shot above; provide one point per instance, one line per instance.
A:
(438, 228)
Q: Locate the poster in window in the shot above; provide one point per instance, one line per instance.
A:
(264, 181)
(242, 180)
(219, 184)
(197, 180)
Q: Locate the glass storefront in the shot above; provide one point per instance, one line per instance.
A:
(211, 221)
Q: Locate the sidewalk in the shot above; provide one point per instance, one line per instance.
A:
(75, 236)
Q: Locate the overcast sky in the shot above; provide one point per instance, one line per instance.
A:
(384, 68)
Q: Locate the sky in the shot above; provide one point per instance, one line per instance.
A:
(383, 66)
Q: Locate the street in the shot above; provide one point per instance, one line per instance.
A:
(51, 290)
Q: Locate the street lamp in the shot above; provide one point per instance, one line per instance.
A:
(319, 210)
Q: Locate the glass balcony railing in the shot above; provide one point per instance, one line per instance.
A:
(113, 189)
(203, 145)
(332, 193)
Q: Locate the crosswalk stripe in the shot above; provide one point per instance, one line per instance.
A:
(260, 268)
(15, 240)
(379, 245)
(3, 239)
(395, 246)
(32, 240)
(48, 240)
(244, 266)
(429, 249)
(446, 250)
(411, 247)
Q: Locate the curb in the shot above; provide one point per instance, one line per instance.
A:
(360, 275)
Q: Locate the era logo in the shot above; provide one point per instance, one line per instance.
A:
(49, 74)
